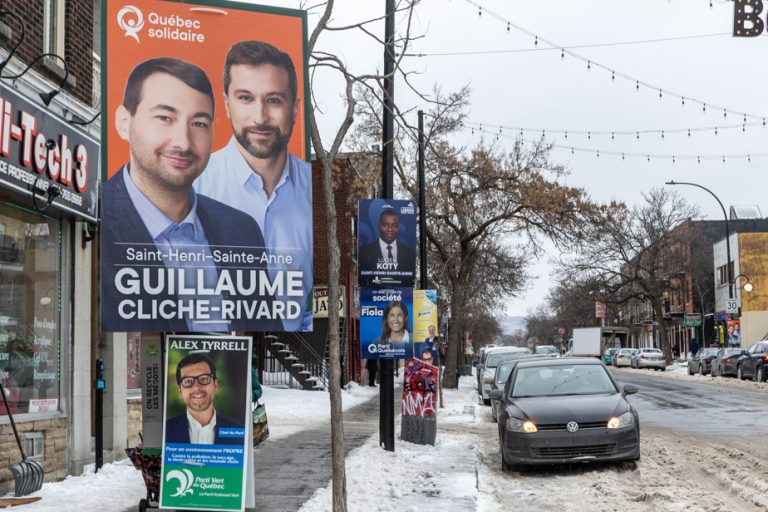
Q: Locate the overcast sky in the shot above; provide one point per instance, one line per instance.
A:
(538, 89)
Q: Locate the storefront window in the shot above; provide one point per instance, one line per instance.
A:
(30, 309)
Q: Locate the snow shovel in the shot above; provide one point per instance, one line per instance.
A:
(28, 474)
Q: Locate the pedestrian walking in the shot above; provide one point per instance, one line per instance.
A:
(372, 365)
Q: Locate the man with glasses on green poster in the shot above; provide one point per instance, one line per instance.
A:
(200, 423)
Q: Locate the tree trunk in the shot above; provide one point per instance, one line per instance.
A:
(454, 353)
(663, 337)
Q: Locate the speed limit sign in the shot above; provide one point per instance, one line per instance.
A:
(731, 306)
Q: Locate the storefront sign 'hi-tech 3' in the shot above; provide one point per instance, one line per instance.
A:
(38, 150)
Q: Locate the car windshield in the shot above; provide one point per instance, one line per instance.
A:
(557, 380)
(545, 349)
(494, 359)
(731, 351)
(710, 351)
(505, 368)
(654, 351)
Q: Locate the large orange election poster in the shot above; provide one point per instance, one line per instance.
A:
(206, 187)
(138, 30)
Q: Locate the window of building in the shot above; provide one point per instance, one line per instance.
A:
(30, 309)
(53, 26)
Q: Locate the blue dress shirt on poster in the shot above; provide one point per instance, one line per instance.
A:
(285, 217)
(187, 234)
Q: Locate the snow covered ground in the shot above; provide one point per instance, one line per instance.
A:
(118, 485)
(462, 472)
(679, 370)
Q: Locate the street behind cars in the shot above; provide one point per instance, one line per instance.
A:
(753, 363)
(701, 361)
(568, 410)
(649, 358)
(724, 364)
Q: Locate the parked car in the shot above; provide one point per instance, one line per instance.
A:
(649, 358)
(546, 350)
(754, 362)
(701, 361)
(608, 355)
(623, 357)
(725, 362)
(486, 369)
(478, 360)
(503, 370)
(568, 410)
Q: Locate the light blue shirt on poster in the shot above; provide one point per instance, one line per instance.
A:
(186, 236)
(285, 218)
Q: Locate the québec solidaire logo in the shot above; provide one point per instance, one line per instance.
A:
(131, 20)
(185, 479)
(169, 27)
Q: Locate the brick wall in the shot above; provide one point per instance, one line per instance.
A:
(78, 41)
(348, 188)
(55, 446)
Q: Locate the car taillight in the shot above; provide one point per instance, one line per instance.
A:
(726, 359)
(765, 357)
(621, 356)
(642, 356)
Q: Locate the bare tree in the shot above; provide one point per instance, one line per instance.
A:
(634, 253)
(326, 155)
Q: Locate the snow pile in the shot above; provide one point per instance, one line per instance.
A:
(679, 371)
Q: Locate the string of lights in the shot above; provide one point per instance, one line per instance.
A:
(705, 106)
(673, 157)
(613, 134)
(571, 47)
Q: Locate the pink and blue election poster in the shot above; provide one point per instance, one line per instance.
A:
(386, 323)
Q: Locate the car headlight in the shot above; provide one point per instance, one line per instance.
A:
(518, 425)
(625, 420)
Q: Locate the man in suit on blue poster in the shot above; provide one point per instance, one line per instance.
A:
(386, 255)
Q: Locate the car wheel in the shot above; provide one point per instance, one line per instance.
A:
(739, 373)
(713, 371)
(690, 370)
(760, 375)
(702, 370)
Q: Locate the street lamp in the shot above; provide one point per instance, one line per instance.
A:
(727, 232)
(748, 287)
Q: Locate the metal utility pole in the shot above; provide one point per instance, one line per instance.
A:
(387, 393)
(422, 209)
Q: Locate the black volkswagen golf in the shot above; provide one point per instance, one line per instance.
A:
(561, 411)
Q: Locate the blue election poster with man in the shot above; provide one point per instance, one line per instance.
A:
(386, 254)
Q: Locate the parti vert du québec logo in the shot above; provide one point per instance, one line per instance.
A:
(172, 27)
(185, 479)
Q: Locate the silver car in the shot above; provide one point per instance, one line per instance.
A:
(485, 371)
(623, 357)
(649, 358)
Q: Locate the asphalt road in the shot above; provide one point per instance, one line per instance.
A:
(697, 408)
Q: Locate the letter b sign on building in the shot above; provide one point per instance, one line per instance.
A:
(746, 18)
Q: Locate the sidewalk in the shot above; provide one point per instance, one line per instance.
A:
(421, 477)
(289, 470)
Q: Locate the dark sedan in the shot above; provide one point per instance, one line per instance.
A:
(725, 362)
(701, 361)
(562, 411)
(754, 362)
